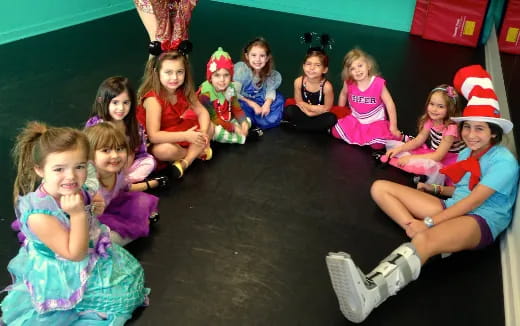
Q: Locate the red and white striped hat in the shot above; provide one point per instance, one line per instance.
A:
(475, 84)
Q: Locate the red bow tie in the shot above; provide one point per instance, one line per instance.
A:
(457, 170)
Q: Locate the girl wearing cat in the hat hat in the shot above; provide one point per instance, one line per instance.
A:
(478, 210)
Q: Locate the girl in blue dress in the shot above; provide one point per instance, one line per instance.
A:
(256, 82)
(67, 272)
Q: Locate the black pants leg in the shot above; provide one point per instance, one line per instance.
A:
(301, 121)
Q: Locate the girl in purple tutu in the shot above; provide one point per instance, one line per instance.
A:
(374, 118)
(115, 102)
(437, 144)
(127, 213)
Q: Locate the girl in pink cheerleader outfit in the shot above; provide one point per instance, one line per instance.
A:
(370, 102)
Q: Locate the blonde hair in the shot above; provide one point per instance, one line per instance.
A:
(34, 143)
(354, 55)
(105, 135)
(152, 82)
(453, 105)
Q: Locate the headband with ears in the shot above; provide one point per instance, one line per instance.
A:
(324, 41)
(156, 48)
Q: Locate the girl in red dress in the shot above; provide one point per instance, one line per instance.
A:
(178, 126)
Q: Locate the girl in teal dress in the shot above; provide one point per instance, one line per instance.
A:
(67, 272)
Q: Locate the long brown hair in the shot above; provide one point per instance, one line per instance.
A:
(269, 65)
(110, 88)
(34, 143)
(152, 82)
(354, 55)
(453, 105)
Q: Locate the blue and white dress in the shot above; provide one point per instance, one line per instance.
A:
(102, 289)
(247, 86)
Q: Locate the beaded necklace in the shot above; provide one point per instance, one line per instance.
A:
(305, 96)
(223, 110)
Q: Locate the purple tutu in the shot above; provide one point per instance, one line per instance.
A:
(128, 213)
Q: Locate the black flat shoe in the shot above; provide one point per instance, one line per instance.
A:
(377, 155)
(154, 218)
(162, 182)
(255, 133)
(419, 178)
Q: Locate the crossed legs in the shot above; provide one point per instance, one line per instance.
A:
(404, 204)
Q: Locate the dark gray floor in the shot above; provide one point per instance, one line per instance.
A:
(243, 237)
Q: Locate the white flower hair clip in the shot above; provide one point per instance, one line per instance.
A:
(213, 67)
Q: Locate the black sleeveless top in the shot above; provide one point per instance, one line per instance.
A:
(313, 98)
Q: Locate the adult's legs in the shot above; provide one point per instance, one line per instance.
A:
(148, 18)
(182, 19)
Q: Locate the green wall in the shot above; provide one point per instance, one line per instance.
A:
(391, 14)
(23, 18)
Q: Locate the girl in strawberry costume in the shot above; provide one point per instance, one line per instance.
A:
(219, 97)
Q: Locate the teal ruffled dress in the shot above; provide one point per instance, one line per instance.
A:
(102, 289)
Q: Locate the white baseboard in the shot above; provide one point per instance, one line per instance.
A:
(510, 271)
(510, 243)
